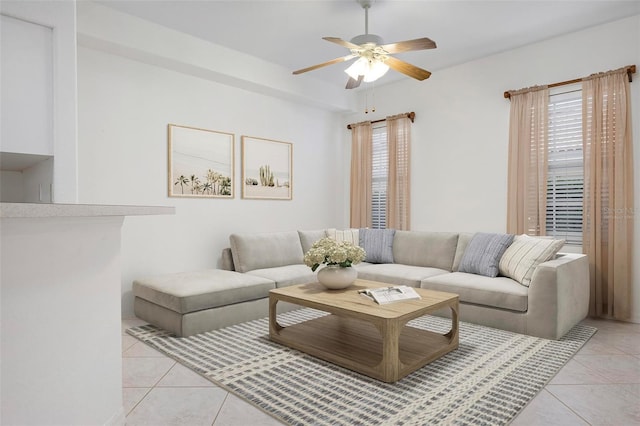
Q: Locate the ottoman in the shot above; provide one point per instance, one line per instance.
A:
(188, 303)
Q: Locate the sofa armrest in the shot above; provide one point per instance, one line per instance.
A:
(227, 260)
(558, 296)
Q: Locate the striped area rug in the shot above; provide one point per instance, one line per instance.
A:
(487, 381)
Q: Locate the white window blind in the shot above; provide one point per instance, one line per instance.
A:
(380, 173)
(565, 178)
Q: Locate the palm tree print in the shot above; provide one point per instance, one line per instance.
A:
(207, 187)
(182, 180)
(212, 183)
(195, 183)
(225, 185)
(213, 178)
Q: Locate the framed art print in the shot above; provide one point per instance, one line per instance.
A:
(267, 169)
(201, 163)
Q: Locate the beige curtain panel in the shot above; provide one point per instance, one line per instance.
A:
(398, 183)
(361, 174)
(608, 192)
(527, 172)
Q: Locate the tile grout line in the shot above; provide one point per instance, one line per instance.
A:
(220, 409)
(155, 384)
(595, 373)
(567, 407)
(151, 388)
(137, 403)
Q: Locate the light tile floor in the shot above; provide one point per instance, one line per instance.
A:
(599, 386)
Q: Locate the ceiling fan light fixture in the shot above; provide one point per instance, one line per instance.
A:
(376, 70)
(374, 57)
(358, 68)
(371, 69)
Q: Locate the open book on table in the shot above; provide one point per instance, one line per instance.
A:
(386, 295)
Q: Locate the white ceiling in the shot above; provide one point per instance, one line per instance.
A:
(289, 33)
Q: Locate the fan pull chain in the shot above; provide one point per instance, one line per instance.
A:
(370, 92)
(366, 102)
(373, 96)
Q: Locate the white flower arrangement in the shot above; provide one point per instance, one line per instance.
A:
(332, 252)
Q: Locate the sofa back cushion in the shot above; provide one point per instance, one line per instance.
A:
(265, 250)
(430, 249)
(307, 238)
(463, 241)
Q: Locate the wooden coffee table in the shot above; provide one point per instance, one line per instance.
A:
(361, 335)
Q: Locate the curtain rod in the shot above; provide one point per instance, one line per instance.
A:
(631, 69)
(411, 115)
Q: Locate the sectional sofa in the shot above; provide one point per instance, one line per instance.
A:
(542, 297)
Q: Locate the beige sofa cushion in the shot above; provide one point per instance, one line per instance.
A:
(396, 274)
(265, 250)
(430, 249)
(285, 276)
(497, 292)
(194, 291)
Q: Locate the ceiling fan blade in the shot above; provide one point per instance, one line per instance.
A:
(407, 69)
(353, 83)
(341, 42)
(324, 64)
(408, 45)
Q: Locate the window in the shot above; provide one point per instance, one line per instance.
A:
(380, 173)
(565, 175)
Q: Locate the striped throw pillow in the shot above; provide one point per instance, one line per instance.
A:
(525, 254)
(349, 235)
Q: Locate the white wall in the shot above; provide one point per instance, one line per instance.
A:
(124, 109)
(460, 136)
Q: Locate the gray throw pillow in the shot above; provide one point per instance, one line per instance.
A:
(483, 253)
(378, 243)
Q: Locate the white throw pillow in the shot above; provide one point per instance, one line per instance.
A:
(525, 254)
(350, 235)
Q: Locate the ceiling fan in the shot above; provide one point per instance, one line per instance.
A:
(374, 56)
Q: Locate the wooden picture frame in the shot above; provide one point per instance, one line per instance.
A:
(267, 169)
(201, 162)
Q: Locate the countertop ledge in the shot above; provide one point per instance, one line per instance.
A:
(36, 210)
